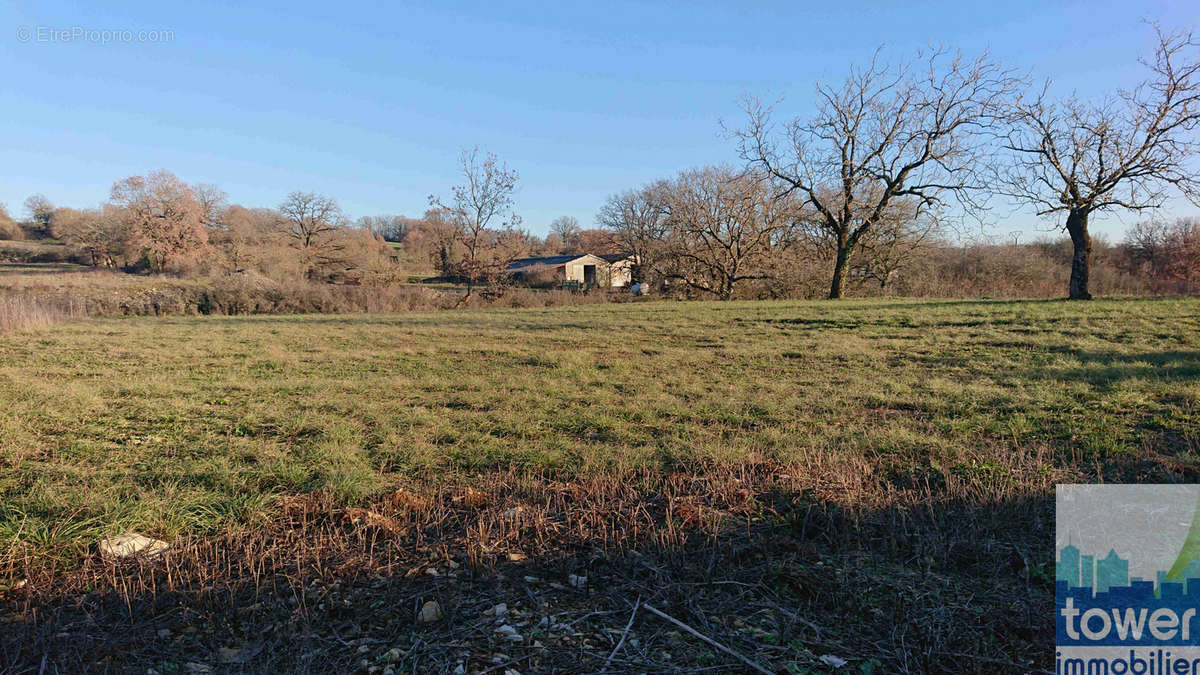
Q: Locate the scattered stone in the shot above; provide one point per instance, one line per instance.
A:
(509, 633)
(452, 564)
(516, 556)
(164, 633)
(833, 661)
(229, 654)
(577, 582)
(196, 668)
(432, 571)
(393, 655)
(499, 610)
(431, 612)
(531, 580)
(129, 545)
(460, 669)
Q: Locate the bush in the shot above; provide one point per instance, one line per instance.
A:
(9, 229)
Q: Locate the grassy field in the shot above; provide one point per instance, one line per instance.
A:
(926, 435)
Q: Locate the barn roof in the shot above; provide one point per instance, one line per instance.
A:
(544, 261)
(612, 257)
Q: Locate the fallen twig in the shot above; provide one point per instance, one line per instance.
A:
(624, 634)
(707, 639)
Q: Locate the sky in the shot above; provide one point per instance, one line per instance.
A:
(372, 104)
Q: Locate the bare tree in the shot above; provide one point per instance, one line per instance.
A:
(213, 201)
(1124, 152)
(568, 230)
(391, 228)
(483, 199)
(897, 239)
(915, 131)
(724, 225)
(638, 219)
(1166, 250)
(40, 211)
(313, 221)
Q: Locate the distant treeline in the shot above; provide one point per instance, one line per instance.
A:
(861, 195)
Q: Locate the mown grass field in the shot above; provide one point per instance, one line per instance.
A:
(897, 410)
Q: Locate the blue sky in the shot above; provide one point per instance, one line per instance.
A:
(372, 104)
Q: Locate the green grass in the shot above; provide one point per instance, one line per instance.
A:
(187, 425)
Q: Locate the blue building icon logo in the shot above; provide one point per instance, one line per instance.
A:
(1127, 580)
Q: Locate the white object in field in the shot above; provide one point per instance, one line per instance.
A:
(131, 544)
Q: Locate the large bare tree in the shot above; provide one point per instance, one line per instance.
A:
(313, 221)
(567, 229)
(915, 130)
(1126, 151)
(477, 209)
(638, 219)
(725, 225)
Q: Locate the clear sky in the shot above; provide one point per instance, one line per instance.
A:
(371, 104)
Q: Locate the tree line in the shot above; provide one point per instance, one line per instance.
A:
(867, 186)
(895, 153)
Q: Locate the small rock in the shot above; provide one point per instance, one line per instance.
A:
(196, 668)
(460, 669)
(164, 633)
(833, 661)
(128, 545)
(229, 654)
(452, 565)
(510, 671)
(516, 556)
(499, 610)
(20, 584)
(393, 655)
(431, 612)
(531, 580)
(577, 582)
(509, 633)
(431, 571)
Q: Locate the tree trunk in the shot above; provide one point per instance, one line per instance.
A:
(1081, 261)
(839, 268)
